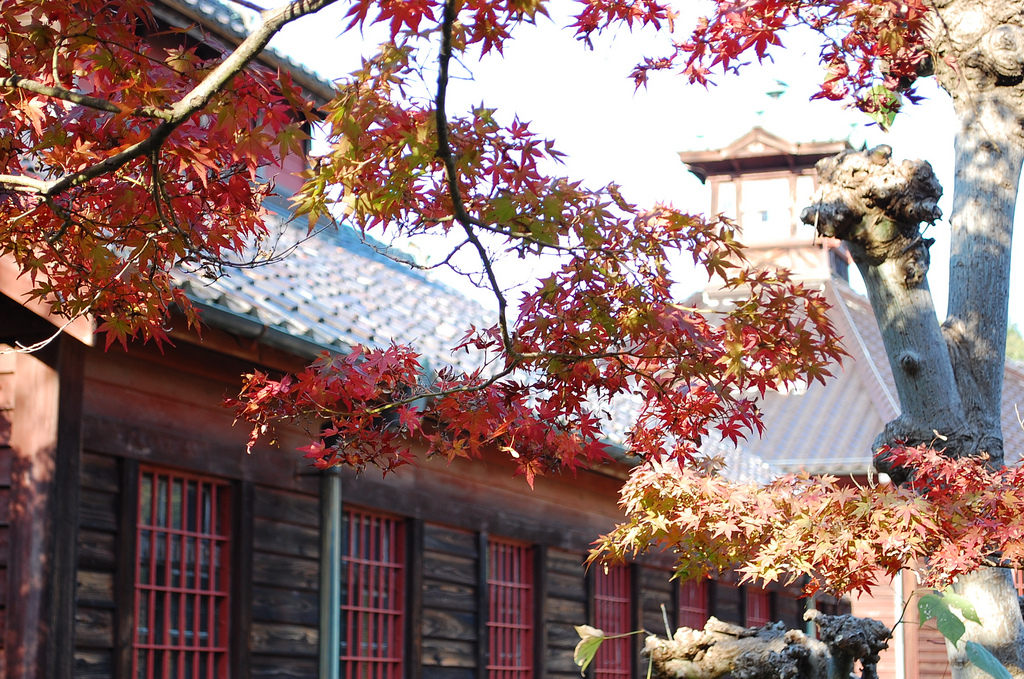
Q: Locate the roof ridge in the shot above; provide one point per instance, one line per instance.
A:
(235, 24)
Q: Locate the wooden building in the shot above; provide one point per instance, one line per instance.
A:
(138, 539)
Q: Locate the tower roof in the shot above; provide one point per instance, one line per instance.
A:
(759, 151)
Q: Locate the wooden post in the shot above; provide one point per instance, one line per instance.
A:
(241, 580)
(482, 606)
(414, 600)
(540, 611)
(124, 578)
(330, 573)
(46, 437)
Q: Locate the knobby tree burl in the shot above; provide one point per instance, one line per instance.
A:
(130, 147)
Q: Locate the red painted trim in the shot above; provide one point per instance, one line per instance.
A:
(759, 607)
(190, 540)
(613, 607)
(510, 583)
(373, 559)
(693, 604)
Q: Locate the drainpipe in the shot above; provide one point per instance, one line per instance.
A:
(899, 629)
(330, 574)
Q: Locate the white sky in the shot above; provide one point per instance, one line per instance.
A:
(585, 101)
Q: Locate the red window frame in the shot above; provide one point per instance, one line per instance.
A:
(1018, 581)
(182, 576)
(693, 604)
(510, 591)
(373, 596)
(759, 607)
(613, 614)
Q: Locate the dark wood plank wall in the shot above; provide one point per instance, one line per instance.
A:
(285, 581)
(6, 418)
(725, 602)
(165, 409)
(657, 590)
(567, 606)
(451, 621)
(789, 609)
(97, 564)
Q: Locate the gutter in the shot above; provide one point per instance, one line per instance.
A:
(248, 327)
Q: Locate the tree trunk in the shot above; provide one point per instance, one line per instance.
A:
(953, 392)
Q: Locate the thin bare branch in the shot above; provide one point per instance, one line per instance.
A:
(444, 152)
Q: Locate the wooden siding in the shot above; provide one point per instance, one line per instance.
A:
(656, 590)
(566, 607)
(285, 580)
(880, 606)
(932, 661)
(95, 615)
(726, 602)
(166, 409)
(790, 610)
(6, 416)
(451, 622)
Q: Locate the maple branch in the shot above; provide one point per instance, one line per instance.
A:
(36, 87)
(21, 183)
(444, 152)
(173, 117)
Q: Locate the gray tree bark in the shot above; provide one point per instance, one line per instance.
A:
(950, 378)
(770, 652)
(942, 374)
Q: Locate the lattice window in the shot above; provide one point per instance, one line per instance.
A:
(759, 607)
(613, 613)
(372, 596)
(1018, 581)
(510, 614)
(693, 604)
(181, 577)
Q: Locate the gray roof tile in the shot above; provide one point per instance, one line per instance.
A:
(830, 428)
(338, 291)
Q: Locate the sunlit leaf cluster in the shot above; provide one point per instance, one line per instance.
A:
(824, 532)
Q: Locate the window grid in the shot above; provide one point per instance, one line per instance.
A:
(1018, 581)
(373, 596)
(181, 577)
(613, 607)
(693, 604)
(510, 614)
(759, 607)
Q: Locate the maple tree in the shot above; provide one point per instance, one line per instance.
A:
(129, 149)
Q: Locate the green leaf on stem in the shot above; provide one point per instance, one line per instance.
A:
(590, 641)
(936, 606)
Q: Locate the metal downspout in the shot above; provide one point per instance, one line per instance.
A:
(330, 574)
(899, 628)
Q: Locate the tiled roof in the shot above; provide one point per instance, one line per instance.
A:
(335, 291)
(830, 428)
(234, 23)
